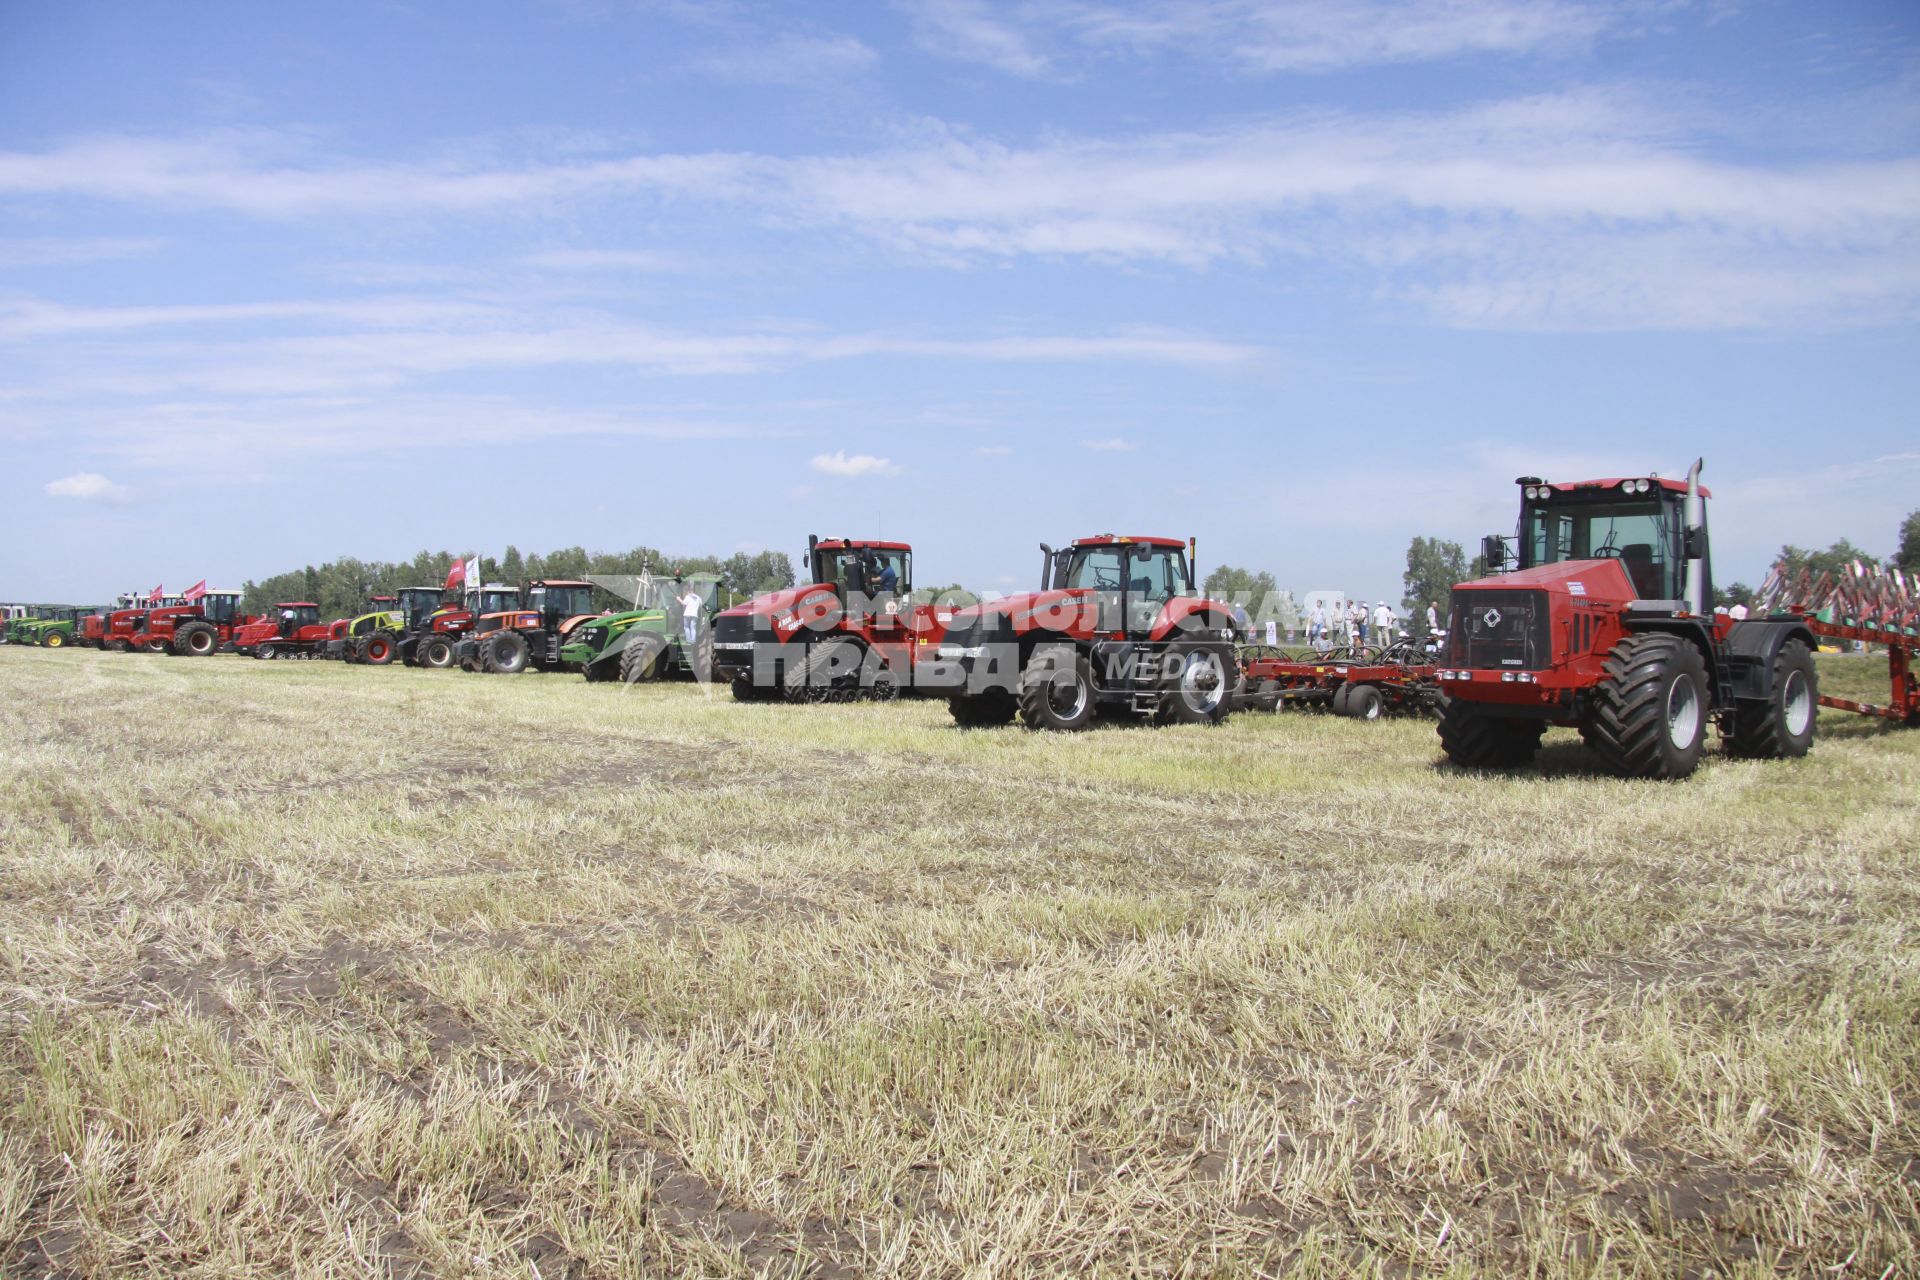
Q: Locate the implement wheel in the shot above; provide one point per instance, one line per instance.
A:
(1781, 727)
(1650, 715)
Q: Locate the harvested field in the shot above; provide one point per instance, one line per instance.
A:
(312, 969)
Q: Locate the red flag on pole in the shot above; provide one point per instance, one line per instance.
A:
(195, 591)
(156, 593)
(456, 576)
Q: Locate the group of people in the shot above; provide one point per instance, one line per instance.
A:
(1359, 623)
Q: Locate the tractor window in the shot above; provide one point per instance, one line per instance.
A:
(306, 615)
(1642, 536)
(866, 567)
(570, 601)
(1095, 567)
(498, 601)
(218, 608)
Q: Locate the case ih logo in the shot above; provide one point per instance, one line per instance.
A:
(1491, 617)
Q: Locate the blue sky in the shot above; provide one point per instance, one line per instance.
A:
(280, 283)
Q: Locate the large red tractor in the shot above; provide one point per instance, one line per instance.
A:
(434, 630)
(1116, 625)
(126, 628)
(196, 629)
(94, 628)
(1607, 626)
(846, 633)
(507, 641)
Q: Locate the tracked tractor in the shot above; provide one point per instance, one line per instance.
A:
(649, 641)
(1116, 626)
(849, 633)
(290, 629)
(1605, 625)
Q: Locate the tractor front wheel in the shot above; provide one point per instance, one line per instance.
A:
(1200, 686)
(1781, 726)
(53, 640)
(640, 660)
(434, 652)
(377, 649)
(506, 655)
(987, 710)
(196, 639)
(1474, 740)
(1650, 714)
(1056, 690)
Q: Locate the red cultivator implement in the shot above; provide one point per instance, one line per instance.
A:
(1363, 682)
(1865, 603)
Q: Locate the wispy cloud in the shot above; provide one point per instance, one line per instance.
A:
(968, 31)
(789, 60)
(62, 251)
(88, 486)
(842, 463)
(1112, 444)
(993, 451)
(595, 260)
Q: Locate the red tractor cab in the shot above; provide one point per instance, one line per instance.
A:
(846, 634)
(1117, 624)
(1606, 625)
(93, 627)
(435, 624)
(290, 629)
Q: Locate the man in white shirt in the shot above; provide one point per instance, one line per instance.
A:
(1316, 622)
(1433, 617)
(1383, 624)
(1738, 613)
(690, 606)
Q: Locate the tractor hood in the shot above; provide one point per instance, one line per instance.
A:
(1595, 579)
(1070, 609)
(813, 594)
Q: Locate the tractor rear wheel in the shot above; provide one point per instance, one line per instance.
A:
(505, 654)
(1056, 690)
(640, 660)
(1781, 726)
(434, 652)
(1474, 740)
(115, 646)
(1649, 716)
(53, 640)
(377, 649)
(987, 710)
(1201, 688)
(266, 651)
(196, 639)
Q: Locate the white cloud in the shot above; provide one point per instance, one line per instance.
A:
(88, 486)
(1112, 444)
(993, 450)
(60, 251)
(967, 31)
(790, 60)
(842, 463)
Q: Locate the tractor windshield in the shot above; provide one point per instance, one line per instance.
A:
(1147, 572)
(219, 607)
(868, 569)
(567, 601)
(1643, 536)
(303, 615)
(497, 602)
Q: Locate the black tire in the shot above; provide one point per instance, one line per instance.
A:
(196, 639)
(1365, 702)
(745, 690)
(379, 649)
(505, 654)
(600, 670)
(1340, 696)
(114, 646)
(1202, 688)
(641, 659)
(1473, 739)
(831, 671)
(1056, 690)
(1650, 715)
(53, 640)
(989, 710)
(266, 651)
(1781, 727)
(435, 653)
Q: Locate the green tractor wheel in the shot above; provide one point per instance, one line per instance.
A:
(640, 660)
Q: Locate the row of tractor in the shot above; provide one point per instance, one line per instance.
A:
(1598, 617)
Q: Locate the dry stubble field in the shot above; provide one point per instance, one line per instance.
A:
(311, 969)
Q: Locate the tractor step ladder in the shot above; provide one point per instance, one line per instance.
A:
(1866, 603)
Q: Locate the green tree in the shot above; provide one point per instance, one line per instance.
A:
(1834, 560)
(1433, 567)
(1734, 593)
(1908, 556)
(1256, 592)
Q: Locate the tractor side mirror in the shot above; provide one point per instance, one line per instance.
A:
(1493, 549)
(1695, 543)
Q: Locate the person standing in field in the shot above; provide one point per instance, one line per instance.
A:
(1383, 624)
(1433, 617)
(690, 605)
(1316, 623)
(1357, 620)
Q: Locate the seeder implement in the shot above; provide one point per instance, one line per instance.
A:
(1365, 683)
(1865, 603)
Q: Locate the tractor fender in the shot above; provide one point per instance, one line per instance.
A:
(1184, 619)
(1752, 645)
(1693, 630)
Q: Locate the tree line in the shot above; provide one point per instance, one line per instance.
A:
(342, 587)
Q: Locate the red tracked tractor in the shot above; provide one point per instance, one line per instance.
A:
(1607, 626)
(1117, 625)
(290, 629)
(846, 634)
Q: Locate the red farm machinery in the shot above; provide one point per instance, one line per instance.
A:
(509, 636)
(1116, 626)
(1866, 604)
(196, 628)
(1362, 682)
(290, 629)
(1606, 625)
(849, 633)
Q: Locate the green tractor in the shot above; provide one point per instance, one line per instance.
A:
(651, 640)
(9, 615)
(55, 628)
